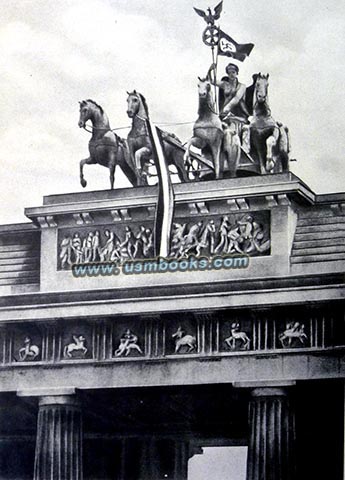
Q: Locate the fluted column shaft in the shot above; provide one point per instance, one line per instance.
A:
(58, 453)
(272, 436)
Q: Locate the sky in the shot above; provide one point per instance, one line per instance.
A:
(54, 54)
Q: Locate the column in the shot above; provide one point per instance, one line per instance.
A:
(58, 453)
(182, 455)
(149, 460)
(272, 436)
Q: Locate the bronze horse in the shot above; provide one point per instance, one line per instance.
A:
(269, 140)
(207, 131)
(139, 142)
(105, 147)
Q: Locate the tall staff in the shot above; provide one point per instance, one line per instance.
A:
(210, 38)
(214, 37)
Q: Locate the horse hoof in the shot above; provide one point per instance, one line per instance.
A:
(270, 165)
(83, 183)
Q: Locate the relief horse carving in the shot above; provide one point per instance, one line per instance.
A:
(105, 147)
(139, 141)
(77, 346)
(236, 335)
(29, 351)
(207, 131)
(269, 140)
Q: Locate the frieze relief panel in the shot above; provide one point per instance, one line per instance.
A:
(169, 335)
(244, 234)
(104, 243)
(234, 233)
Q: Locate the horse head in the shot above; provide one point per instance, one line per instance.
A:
(261, 89)
(136, 105)
(204, 87)
(87, 110)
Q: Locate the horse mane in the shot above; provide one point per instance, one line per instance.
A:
(94, 103)
(143, 99)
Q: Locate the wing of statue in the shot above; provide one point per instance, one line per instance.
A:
(201, 13)
(218, 10)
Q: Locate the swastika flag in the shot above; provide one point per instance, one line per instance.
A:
(229, 48)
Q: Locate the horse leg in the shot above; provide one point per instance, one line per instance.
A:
(86, 161)
(262, 162)
(126, 165)
(112, 167)
(217, 159)
(246, 138)
(193, 142)
(232, 148)
(247, 342)
(271, 143)
(68, 353)
(186, 156)
(176, 157)
(138, 157)
(258, 149)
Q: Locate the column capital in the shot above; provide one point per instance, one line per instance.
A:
(47, 392)
(68, 400)
(266, 384)
(269, 392)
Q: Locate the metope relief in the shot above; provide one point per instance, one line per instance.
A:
(244, 234)
(105, 244)
(293, 336)
(184, 342)
(76, 348)
(238, 340)
(28, 351)
(128, 343)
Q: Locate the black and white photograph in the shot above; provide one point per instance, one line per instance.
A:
(172, 240)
